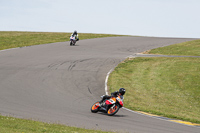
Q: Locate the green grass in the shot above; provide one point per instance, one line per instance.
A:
(15, 39)
(168, 87)
(185, 48)
(15, 125)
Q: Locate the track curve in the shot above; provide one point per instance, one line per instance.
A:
(58, 83)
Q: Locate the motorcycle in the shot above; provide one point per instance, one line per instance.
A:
(73, 40)
(113, 104)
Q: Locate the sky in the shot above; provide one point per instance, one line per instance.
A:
(157, 18)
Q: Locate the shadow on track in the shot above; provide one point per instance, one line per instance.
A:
(116, 115)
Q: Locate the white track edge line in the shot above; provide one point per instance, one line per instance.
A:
(106, 81)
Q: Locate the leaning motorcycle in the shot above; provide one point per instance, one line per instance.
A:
(113, 104)
(72, 40)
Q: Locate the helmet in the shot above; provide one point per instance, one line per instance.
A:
(122, 91)
(75, 32)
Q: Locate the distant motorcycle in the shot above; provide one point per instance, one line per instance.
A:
(113, 104)
(72, 40)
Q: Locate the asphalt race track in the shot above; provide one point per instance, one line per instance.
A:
(58, 83)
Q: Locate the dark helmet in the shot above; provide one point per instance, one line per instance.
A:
(75, 32)
(122, 91)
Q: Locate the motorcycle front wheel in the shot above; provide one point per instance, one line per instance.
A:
(113, 110)
(95, 107)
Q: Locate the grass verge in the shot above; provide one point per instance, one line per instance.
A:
(13, 39)
(15, 125)
(191, 48)
(164, 86)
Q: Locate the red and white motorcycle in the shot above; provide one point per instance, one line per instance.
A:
(113, 104)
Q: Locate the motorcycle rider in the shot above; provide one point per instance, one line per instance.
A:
(120, 93)
(76, 35)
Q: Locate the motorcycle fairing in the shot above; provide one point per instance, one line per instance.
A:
(120, 100)
(72, 38)
(111, 101)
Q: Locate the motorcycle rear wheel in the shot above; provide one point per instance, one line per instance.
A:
(95, 107)
(113, 110)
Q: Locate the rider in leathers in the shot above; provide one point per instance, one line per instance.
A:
(76, 35)
(120, 93)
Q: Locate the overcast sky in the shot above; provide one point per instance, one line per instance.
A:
(160, 18)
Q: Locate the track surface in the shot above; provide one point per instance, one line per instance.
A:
(58, 83)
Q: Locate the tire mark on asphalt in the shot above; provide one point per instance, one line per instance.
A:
(89, 90)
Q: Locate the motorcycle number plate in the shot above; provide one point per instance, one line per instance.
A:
(72, 38)
(111, 101)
